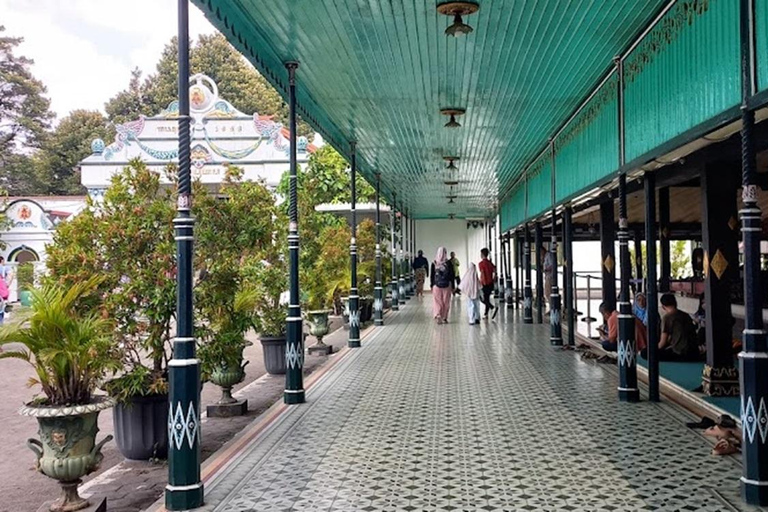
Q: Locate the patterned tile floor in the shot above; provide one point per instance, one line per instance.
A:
(489, 417)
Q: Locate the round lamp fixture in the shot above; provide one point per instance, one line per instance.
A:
(451, 198)
(451, 160)
(453, 112)
(457, 9)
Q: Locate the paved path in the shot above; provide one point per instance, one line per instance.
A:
(489, 417)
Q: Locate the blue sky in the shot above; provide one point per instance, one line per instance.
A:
(84, 50)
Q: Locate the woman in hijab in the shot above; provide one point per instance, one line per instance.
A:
(640, 308)
(441, 280)
(470, 287)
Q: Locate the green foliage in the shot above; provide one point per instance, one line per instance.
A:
(56, 164)
(24, 116)
(680, 260)
(238, 82)
(25, 276)
(128, 242)
(235, 239)
(69, 346)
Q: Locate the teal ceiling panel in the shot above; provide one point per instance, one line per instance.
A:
(513, 208)
(379, 71)
(684, 72)
(539, 178)
(761, 40)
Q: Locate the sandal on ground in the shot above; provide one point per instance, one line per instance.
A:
(706, 422)
(725, 447)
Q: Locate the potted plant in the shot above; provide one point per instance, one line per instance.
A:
(69, 346)
(127, 239)
(271, 281)
(25, 276)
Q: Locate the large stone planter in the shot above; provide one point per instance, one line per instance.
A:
(273, 349)
(141, 427)
(319, 327)
(226, 378)
(67, 449)
(25, 298)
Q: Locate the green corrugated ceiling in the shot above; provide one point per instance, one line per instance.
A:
(379, 71)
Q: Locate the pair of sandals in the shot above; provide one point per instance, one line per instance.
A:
(724, 430)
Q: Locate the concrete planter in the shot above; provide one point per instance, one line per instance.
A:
(141, 427)
(274, 354)
(226, 378)
(319, 327)
(67, 448)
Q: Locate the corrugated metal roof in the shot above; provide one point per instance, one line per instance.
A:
(379, 71)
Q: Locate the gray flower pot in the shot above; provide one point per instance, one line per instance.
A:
(141, 427)
(273, 349)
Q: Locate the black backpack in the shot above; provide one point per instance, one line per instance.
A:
(442, 279)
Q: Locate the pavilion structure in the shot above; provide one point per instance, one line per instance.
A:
(646, 115)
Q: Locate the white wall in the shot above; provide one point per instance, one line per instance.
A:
(454, 235)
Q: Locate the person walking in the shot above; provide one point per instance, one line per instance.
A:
(441, 281)
(470, 285)
(455, 263)
(421, 269)
(487, 278)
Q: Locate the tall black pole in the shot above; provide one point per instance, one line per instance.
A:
(628, 391)
(394, 289)
(608, 250)
(539, 237)
(294, 346)
(378, 290)
(753, 360)
(502, 261)
(406, 227)
(401, 277)
(555, 313)
(185, 488)
(518, 270)
(527, 292)
(568, 285)
(652, 294)
(509, 292)
(413, 252)
(354, 298)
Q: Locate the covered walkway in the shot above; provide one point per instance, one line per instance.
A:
(453, 417)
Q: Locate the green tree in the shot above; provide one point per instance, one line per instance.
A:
(56, 163)
(238, 82)
(24, 116)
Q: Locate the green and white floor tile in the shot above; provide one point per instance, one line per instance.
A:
(455, 417)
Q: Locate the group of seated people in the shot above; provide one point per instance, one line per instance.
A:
(682, 337)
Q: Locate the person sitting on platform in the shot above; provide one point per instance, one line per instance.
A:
(678, 333)
(640, 308)
(609, 337)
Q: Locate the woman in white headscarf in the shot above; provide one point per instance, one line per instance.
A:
(441, 281)
(470, 287)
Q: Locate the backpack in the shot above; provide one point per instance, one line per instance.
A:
(441, 276)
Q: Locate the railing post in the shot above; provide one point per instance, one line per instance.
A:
(354, 298)
(185, 488)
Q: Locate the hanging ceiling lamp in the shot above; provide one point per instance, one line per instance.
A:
(451, 216)
(451, 183)
(453, 112)
(451, 198)
(451, 160)
(457, 10)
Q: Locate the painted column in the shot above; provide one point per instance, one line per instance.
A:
(413, 254)
(294, 347)
(570, 302)
(394, 289)
(753, 360)
(608, 253)
(407, 260)
(720, 237)
(539, 273)
(509, 292)
(639, 260)
(665, 270)
(378, 289)
(555, 313)
(502, 263)
(518, 270)
(354, 298)
(185, 488)
(652, 296)
(401, 277)
(527, 292)
(628, 391)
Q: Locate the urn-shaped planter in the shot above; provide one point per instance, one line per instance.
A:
(226, 377)
(141, 427)
(273, 349)
(67, 448)
(319, 327)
